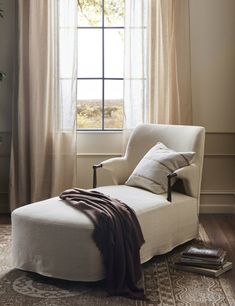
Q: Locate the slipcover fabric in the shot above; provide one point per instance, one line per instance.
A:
(151, 172)
(180, 138)
(54, 239)
(118, 236)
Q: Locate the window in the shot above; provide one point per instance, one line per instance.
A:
(100, 64)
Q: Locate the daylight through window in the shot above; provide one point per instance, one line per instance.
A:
(100, 64)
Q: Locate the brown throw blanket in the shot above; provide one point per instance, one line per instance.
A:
(118, 236)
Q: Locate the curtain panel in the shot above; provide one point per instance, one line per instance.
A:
(157, 80)
(169, 73)
(43, 151)
(135, 63)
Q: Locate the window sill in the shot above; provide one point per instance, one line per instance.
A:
(99, 132)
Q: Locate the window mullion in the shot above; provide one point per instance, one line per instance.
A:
(103, 80)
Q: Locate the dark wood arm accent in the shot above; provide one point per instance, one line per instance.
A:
(169, 189)
(95, 174)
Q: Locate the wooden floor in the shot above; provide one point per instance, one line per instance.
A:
(220, 230)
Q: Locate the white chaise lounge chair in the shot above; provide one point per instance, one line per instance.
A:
(54, 239)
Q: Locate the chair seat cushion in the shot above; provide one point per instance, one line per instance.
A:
(54, 239)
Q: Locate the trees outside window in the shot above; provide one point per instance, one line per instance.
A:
(100, 64)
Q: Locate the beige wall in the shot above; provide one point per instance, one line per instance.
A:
(213, 89)
(7, 41)
(213, 64)
(213, 93)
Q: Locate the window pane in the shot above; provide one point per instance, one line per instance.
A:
(114, 49)
(89, 13)
(114, 12)
(89, 104)
(113, 110)
(89, 53)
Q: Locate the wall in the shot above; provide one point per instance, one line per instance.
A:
(213, 93)
(213, 79)
(92, 149)
(7, 40)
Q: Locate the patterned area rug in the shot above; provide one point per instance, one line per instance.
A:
(163, 285)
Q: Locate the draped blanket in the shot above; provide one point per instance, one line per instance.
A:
(117, 235)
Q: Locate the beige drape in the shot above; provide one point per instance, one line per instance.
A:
(169, 82)
(42, 154)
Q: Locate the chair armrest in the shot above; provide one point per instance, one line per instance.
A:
(118, 167)
(95, 174)
(169, 188)
(190, 177)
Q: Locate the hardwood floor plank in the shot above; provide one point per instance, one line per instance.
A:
(221, 232)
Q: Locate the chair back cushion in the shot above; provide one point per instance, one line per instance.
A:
(180, 138)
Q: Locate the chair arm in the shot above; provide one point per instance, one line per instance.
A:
(118, 167)
(190, 177)
(95, 174)
(169, 188)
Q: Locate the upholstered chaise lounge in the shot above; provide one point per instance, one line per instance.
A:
(54, 239)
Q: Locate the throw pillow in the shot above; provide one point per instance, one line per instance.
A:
(151, 172)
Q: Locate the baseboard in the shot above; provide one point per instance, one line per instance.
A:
(217, 209)
(217, 202)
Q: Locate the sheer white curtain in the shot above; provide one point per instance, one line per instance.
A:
(135, 63)
(67, 95)
(43, 150)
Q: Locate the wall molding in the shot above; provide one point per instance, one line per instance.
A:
(226, 155)
(218, 192)
(217, 209)
(217, 202)
(223, 155)
(87, 154)
(120, 154)
(212, 133)
(212, 201)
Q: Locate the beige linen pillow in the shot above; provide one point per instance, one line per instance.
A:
(151, 172)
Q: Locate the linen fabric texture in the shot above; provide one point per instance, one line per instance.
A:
(157, 74)
(151, 172)
(118, 236)
(64, 248)
(43, 146)
(48, 235)
(169, 69)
